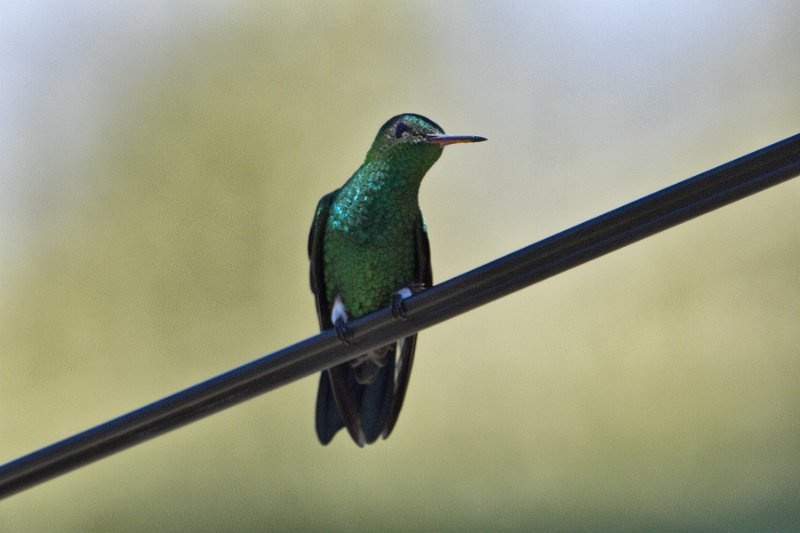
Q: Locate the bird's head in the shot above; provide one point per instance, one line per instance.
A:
(413, 139)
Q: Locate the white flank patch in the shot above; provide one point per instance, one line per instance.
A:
(405, 292)
(338, 310)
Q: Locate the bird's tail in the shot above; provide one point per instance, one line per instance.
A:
(364, 409)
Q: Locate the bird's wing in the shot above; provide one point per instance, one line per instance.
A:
(337, 400)
(328, 419)
(422, 251)
(315, 259)
(422, 274)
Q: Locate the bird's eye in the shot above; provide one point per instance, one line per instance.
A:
(400, 129)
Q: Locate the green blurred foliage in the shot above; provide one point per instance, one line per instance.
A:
(653, 388)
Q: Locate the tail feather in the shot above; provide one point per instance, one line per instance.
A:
(328, 420)
(376, 400)
(366, 410)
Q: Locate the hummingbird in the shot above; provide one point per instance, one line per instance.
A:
(368, 249)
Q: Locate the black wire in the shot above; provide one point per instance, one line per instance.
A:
(594, 238)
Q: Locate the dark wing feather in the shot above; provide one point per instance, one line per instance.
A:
(316, 237)
(422, 274)
(328, 419)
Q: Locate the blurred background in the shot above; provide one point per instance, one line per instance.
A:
(159, 167)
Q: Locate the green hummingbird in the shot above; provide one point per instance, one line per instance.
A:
(368, 249)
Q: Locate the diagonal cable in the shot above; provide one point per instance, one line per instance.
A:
(637, 220)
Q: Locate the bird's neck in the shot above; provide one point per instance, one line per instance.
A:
(378, 201)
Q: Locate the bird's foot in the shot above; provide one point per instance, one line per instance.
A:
(398, 303)
(399, 306)
(343, 331)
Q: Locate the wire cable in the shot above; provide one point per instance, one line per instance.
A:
(608, 232)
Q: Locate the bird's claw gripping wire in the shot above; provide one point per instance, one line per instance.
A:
(343, 331)
(399, 307)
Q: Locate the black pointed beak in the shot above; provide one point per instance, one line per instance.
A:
(443, 140)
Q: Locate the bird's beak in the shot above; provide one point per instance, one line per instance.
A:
(443, 140)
